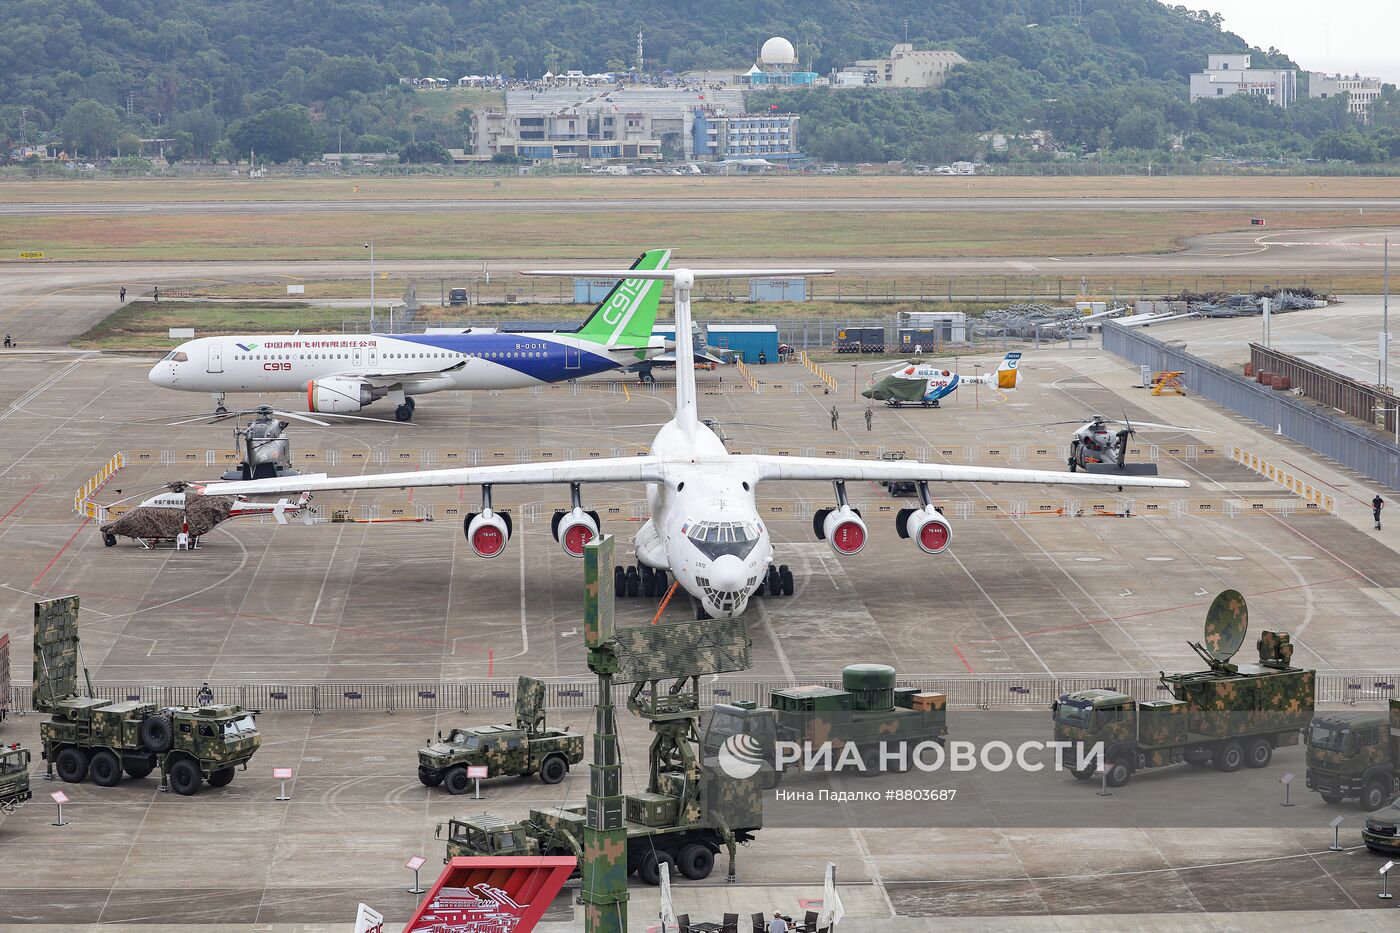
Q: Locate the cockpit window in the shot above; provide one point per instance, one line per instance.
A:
(177, 356)
(715, 539)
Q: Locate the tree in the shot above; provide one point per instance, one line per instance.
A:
(1139, 128)
(91, 127)
(371, 142)
(278, 135)
(428, 151)
(181, 147)
(1351, 146)
(128, 144)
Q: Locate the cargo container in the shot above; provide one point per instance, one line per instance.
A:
(747, 341)
(860, 340)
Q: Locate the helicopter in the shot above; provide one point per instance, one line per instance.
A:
(174, 515)
(1095, 447)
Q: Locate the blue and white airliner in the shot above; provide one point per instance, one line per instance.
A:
(342, 374)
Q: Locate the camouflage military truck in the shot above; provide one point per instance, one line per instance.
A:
(90, 735)
(528, 747)
(1355, 754)
(1229, 716)
(14, 777)
(869, 710)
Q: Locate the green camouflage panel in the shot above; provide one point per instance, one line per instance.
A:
(55, 651)
(1227, 620)
(1275, 649)
(678, 649)
(1162, 723)
(598, 591)
(529, 704)
(505, 750)
(4, 675)
(1251, 700)
(14, 777)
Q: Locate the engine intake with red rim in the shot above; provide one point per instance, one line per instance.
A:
(487, 532)
(575, 528)
(927, 527)
(842, 528)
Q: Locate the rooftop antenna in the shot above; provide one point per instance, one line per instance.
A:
(641, 61)
(906, 30)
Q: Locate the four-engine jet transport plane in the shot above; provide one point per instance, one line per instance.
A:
(342, 374)
(704, 528)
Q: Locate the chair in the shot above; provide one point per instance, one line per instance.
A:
(683, 922)
(759, 924)
(809, 923)
(731, 924)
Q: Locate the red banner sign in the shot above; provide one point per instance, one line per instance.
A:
(499, 894)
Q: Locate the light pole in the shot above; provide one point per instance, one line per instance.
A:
(1385, 314)
(370, 246)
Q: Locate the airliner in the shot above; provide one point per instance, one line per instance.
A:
(704, 528)
(927, 384)
(342, 374)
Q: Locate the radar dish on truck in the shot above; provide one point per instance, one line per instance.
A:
(1227, 620)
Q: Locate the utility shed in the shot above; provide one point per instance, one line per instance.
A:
(747, 341)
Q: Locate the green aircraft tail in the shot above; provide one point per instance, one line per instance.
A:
(625, 317)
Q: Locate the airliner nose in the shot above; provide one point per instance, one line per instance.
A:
(727, 574)
(160, 375)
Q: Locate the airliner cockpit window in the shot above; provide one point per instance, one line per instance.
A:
(715, 539)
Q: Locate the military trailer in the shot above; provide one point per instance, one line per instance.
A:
(527, 747)
(1355, 754)
(14, 777)
(869, 710)
(1229, 716)
(88, 735)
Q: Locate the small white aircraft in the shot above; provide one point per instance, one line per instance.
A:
(704, 528)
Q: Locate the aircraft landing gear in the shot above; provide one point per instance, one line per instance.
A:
(404, 412)
(636, 580)
(219, 404)
(778, 581)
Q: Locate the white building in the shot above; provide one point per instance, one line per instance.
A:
(1230, 74)
(906, 67)
(1361, 92)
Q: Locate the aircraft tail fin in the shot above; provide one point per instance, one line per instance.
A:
(626, 316)
(1009, 372)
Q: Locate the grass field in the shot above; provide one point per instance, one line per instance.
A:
(593, 186)
(449, 101)
(146, 324)
(775, 235)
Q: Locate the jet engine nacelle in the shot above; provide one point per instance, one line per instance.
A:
(487, 532)
(573, 529)
(927, 527)
(338, 396)
(842, 528)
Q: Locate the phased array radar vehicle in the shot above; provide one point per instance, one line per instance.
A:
(14, 777)
(1355, 754)
(527, 747)
(91, 735)
(869, 711)
(1230, 715)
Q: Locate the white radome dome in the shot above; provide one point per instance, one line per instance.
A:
(778, 51)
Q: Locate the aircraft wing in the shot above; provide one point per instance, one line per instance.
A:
(821, 468)
(388, 377)
(608, 470)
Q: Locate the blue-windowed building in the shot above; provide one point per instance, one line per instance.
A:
(719, 135)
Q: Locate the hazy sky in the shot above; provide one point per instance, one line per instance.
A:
(1321, 35)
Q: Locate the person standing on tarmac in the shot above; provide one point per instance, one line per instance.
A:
(869, 417)
(1376, 505)
(121, 295)
(835, 418)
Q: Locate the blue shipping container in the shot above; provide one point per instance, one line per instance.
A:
(747, 340)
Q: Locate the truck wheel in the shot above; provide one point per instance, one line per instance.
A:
(105, 768)
(649, 871)
(1333, 799)
(456, 781)
(1373, 795)
(137, 768)
(1120, 770)
(185, 778)
(156, 732)
(221, 777)
(72, 765)
(1228, 757)
(1083, 774)
(1258, 753)
(696, 861)
(429, 778)
(553, 769)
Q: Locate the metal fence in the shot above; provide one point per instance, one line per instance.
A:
(1332, 389)
(964, 691)
(1308, 424)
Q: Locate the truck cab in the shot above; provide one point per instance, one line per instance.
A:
(14, 777)
(1352, 754)
(487, 835)
(1091, 716)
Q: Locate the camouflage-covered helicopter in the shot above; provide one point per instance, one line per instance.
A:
(171, 513)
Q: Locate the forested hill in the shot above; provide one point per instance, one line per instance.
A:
(197, 66)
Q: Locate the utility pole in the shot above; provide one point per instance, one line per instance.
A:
(370, 246)
(1385, 316)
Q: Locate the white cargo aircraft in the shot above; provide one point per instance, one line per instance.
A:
(704, 527)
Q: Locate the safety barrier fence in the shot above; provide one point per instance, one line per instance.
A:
(747, 375)
(1359, 448)
(964, 691)
(819, 371)
(1314, 499)
(1358, 399)
(82, 500)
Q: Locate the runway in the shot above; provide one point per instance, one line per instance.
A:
(698, 203)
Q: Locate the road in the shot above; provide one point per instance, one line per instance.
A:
(700, 204)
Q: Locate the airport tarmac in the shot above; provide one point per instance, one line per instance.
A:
(262, 603)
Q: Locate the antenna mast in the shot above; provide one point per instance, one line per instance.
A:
(641, 60)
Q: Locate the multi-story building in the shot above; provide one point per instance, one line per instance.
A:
(717, 135)
(905, 67)
(1361, 92)
(1229, 74)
